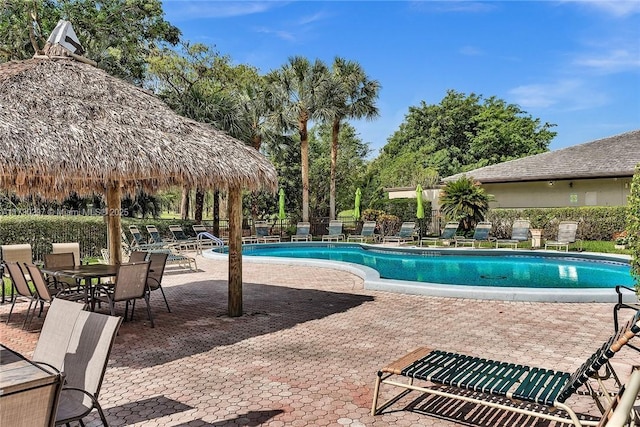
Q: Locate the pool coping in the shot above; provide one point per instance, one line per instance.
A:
(372, 280)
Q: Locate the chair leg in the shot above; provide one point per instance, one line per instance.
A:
(101, 413)
(13, 304)
(165, 298)
(146, 299)
(26, 316)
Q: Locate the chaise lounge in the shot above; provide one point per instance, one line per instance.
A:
(522, 389)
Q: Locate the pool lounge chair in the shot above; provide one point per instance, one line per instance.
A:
(139, 243)
(406, 233)
(302, 233)
(263, 233)
(566, 235)
(446, 237)
(519, 234)
(366, 234)
(335, 232)
(480, 234)
(522, 389)
(181, 239)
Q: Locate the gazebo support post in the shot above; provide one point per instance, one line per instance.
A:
(235, 251)
(114, 195)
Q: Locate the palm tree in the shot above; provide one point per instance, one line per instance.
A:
(352, 95)
(464, 201)
(296, 89)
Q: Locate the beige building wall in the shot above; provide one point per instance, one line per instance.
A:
(566, 193)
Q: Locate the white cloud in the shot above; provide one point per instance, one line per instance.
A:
(178, 10)
(572, 95)
(284, 35)
(612, 61)
(456, 6)
(615, 8)
(471, 51)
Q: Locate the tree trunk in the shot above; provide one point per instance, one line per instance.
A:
(199, 205)
(235, 251)
(184, 203)
(335, 130)
(304, 166)
(216, 213)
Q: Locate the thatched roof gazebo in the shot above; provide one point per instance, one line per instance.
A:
(67, 126)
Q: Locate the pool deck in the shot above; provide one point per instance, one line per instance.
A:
(307, 349)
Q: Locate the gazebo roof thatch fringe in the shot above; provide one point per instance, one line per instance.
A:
(67, 126)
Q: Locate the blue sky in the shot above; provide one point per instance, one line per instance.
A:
(572, 63)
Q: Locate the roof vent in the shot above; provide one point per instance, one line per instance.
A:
(64, 36)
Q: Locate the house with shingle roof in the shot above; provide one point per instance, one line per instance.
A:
(596, 173)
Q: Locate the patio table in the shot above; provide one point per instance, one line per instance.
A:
(28, 392)
(84, 274)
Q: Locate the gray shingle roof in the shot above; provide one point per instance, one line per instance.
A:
(615, 156)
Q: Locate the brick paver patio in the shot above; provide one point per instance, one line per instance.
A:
(307, 350)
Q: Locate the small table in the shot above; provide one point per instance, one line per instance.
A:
(84, 273)
(24, 381)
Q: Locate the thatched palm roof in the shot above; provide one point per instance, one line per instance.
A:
(68, 126)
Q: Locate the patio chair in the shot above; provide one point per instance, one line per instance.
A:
(406, 234)
(182, 240)
(519, 234)
(64, 259)
(79, 344)
(130, 284)
(480, 234)
(566, 235)
(156, 272)
(44, 294)
(504, 385)
(303, 233)
(73, 247)
(625, 295)
(335, 232)
(20, 253)
(446, 237)
(21, 288)
(263, 233)
(366, 234)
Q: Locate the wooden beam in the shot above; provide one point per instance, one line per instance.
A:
(235, 251)
(114, 235)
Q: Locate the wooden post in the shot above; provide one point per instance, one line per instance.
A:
(235, 251)
(114, 235)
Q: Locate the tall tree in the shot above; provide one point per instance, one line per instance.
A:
(460, 133)
(353, 97)
(117, 34)
(351, 166)
(297, 88)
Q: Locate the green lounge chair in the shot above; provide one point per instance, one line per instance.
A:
(519, 234)
(303, 233)
(446, 237)
(335, 232)
(480, 234)
(366, 234)
(566, 235)
(406, 234)
(522, 389)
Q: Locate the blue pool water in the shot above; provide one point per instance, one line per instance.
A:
(454, 267)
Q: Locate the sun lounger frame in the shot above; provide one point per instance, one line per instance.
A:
(551, 388)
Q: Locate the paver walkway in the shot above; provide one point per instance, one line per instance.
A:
(307, 350)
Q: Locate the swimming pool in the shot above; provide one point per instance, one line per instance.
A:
(485, 274)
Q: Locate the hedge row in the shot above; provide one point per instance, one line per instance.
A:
(594, 223)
